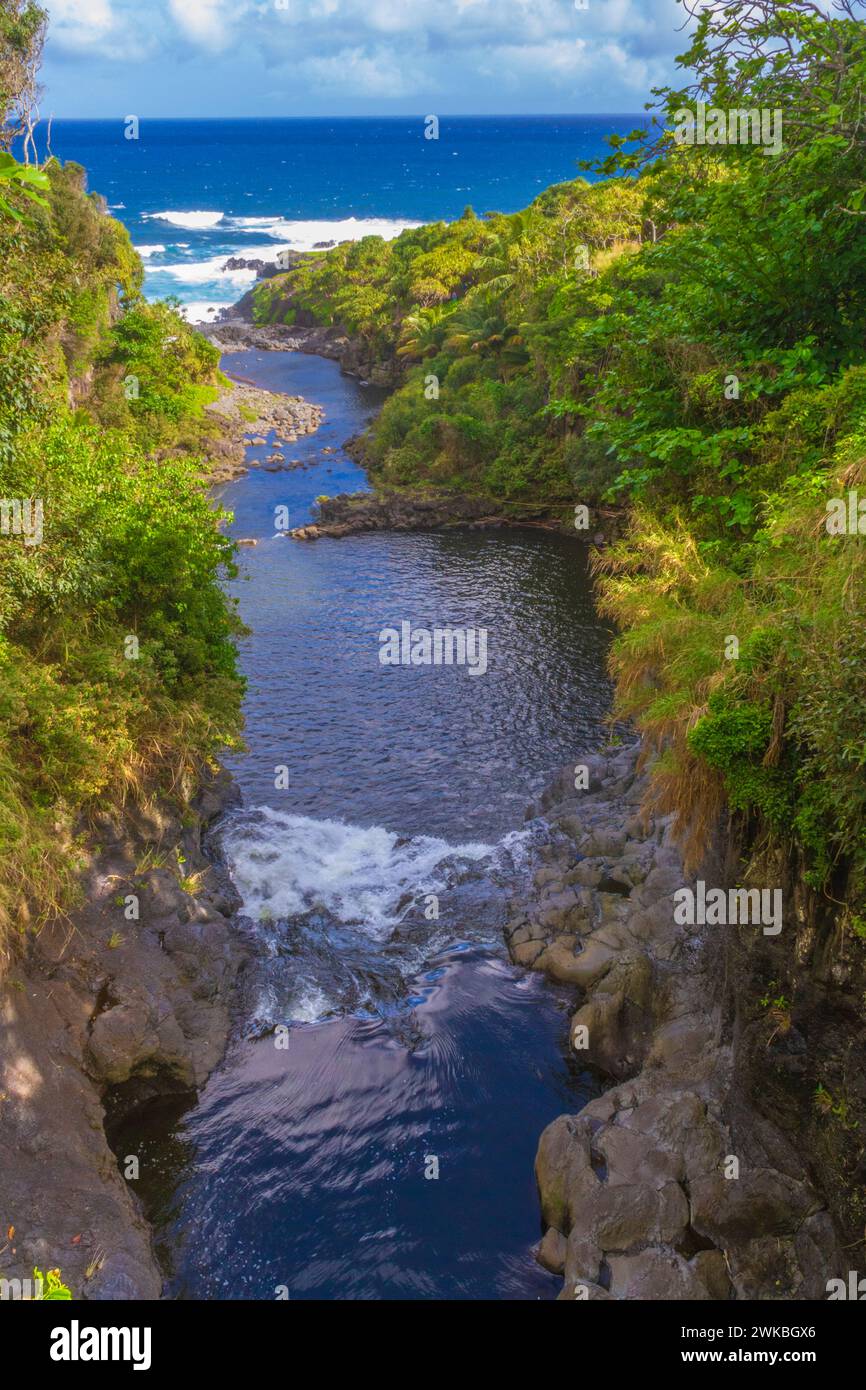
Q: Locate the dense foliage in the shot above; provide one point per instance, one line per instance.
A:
(685, 337)
(117, 665)
(477, 312)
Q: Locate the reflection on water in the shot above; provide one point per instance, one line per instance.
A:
(305, 1166)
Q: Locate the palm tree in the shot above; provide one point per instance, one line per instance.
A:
(508, 245)
(486, 332)
(422, 332)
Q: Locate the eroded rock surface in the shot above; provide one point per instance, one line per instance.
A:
(669, 1185)
(350, 513)
(246, 416)
(104, 1005)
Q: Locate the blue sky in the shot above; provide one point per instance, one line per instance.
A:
(355, 57)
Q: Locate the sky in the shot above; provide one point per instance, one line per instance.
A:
(151, 58)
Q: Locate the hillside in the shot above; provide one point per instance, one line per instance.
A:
(687, 343)
(118, 667)
(685, 339)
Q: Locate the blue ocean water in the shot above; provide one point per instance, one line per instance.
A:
(195, 192)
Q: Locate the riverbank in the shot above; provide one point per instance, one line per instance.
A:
(395, 1021)
(127, 1000)
(383, 508)
(672, 1184)
(235, 331)
(351, 514)
(247, 414)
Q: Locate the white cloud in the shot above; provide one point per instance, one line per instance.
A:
(81, 19)
(558, 60)
(462, 53)
(207, 23)
(93, 27)
(379, 73)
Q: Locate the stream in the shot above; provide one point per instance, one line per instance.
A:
(372, 1129)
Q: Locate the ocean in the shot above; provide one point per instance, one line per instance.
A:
(195, 193)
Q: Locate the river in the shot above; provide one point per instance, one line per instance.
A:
(371, 1132)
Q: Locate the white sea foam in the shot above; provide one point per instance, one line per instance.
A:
(201, 310)
(517, 845)
(204, 272)
(190, 221)
(305, 235)
(282, 234)
(286, 865)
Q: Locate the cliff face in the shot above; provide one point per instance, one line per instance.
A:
(680, 1181)
(797, 1006)
(116, 649)
(127, 1000)
(119, 683)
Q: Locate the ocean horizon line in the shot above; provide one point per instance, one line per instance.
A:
(408, 116)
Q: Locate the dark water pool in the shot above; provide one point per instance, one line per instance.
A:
(372, 1129)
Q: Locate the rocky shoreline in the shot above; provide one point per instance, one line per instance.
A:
(672, 1184)
(248, 415)
(639, 1196)
(106, 1013)
(236, 333)
(350, 513)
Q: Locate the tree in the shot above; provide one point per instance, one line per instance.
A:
(801, 58)
(22, 35)
(422, 332)
(22, 177)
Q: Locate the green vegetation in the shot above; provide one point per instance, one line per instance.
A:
(684, 338)
(117, 663)
(52, 1286)
(478, 313)
(22, 35)
(25, 177)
